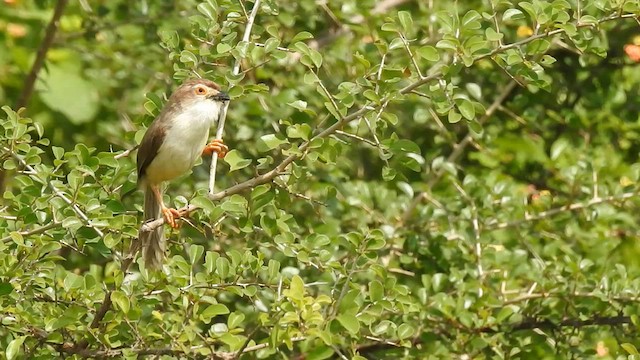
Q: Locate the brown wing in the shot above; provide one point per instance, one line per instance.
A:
(153, 138)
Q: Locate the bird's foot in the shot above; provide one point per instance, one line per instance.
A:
(170, 215)
(217, 146)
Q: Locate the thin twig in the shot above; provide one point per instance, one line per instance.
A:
(356, 137)
(495, 225)
(38, 230)
(534, 296)
(126, 153)
(413, 59)
(277, 47)
(548, 324)
(236, 69)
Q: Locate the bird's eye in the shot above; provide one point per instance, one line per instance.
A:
(200, 90)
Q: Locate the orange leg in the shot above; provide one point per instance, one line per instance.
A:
(170, 215)
(215, 146)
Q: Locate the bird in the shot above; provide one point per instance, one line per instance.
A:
(169, 148)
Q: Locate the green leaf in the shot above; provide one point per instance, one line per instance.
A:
(299, 131)
(5, 288)
(388, 173)
(195, 253)
(349, 322)
(630, 348)
(13, 349)
(376, 290)
(296, 288)
(204, 202)
(222, 267)
(269, 142)
(222, 48)
(63, 89)
(213, 310)
(547, 60)
(273, 269)
(73, 281)
(236, 204)
(58, 152)
(466, 108)
(474, 90)
(298, 104)
(405, 331)
(492, 35)
(121, 300)
(207, 10)
(235, 161)
(405, 21)
(301, 36)
(271, 44)
(301, 47)
(316, 57)
(505, 313)
(454, 116)
(391, 27)
(559, 147)
(17, 237)
(428, 53)
(235, 319)
(447, 44)
(187, 57)
(512, 14)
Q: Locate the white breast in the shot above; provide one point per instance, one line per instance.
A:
(184, 141)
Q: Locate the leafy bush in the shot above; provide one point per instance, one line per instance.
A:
(422, 179)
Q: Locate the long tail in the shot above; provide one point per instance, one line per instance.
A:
(152, 241)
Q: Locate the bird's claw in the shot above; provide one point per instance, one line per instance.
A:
(216, 146)
(170, 215)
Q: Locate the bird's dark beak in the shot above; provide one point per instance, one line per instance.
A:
(221, 96)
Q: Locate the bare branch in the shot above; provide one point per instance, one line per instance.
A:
(356, 137)
(126, 153)
(236, 69)
(75, 349)
(549, 324)
(495, 225)
(38, 230)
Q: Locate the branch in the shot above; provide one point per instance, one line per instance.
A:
(236, 69)
(495, 225)
(50, 33)
(126, 152)
(69, 348)
(38, 230)
(528, 324)
(543, 295)
(548, 324)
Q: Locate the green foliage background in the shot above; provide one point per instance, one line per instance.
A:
(449, 179)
